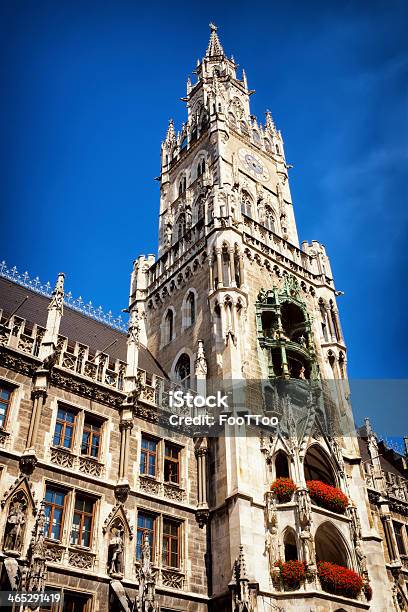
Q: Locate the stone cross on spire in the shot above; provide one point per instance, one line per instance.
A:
(214, 46)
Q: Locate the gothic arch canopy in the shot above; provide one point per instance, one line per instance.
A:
(118, 513)
(24, 485)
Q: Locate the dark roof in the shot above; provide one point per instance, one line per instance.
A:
(77, 327)
(390, 460)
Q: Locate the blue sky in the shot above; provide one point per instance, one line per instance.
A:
(87, 91)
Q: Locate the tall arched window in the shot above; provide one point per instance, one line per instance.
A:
(182, 185)
(190, 309)
(317, 466)
(201, 167)
(168, 328)
(281, 465)
(289, 541)
(232, 121)
(200, 209)
(183, 143)
(181, 226)
(330, 545)
(183, 371)
(270, 219)
(246, 204)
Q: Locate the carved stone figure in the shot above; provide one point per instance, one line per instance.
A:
(361, 558)
(304, 509)
(271, 547)
(115, 556)
(270, 510)
(307, 547)
(15, 524)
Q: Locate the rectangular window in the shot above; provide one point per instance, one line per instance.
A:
(148, 456)
(398, 530)
(171, 543)
(171, 463)
(54, 512)
(5, 397)
(145, 525)
(64, 427)
(91, 437)
(81, 533)
(76, 602)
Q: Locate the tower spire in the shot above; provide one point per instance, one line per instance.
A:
(214, 46)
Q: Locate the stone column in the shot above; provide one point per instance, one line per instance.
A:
(211, 272)
(232, 267)
(202, 504)
(219, 266)
(241, 270)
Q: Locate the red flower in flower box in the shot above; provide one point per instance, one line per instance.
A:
(339, 580)
(283, 488)
(327, 496)
(292, 573)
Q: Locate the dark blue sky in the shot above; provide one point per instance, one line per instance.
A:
(87, 89)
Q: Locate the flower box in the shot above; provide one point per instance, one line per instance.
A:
(339, 580)
(292, 573)
(327, 496)
(283, 488)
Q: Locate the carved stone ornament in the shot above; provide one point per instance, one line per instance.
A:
(146, 597)
(80, 559)
(201, 362)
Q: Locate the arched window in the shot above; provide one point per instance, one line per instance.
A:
(232, 121)
(244, 128)
(330, 545)
(168, 328)
(281, 465)
(183, 371)
(190, 309)
(182, 185)
(181, 226)
(267, 145)
(317, 466)
(193, 133)
(277, 149)
(246, 204)
(256, 137)
(201, 167)
(270, 219)
(334, 321)
(200, 209)
(289, 541)
(183, 145)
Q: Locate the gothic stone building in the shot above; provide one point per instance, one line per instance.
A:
(104, 501)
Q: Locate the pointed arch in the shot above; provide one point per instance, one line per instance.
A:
(118, 512)
(290, 544)
(317, 465)
(281, 464)
(189, 308)
(167, 327)
(331, 545)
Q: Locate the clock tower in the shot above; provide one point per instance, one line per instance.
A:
(233, 296)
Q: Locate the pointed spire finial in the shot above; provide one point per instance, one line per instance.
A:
(244, 78)
(171, 135)
(57, 299)
(214, 46)
(270, 124)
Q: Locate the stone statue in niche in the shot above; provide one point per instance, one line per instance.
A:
(15, 523)
(307, 547)
(304, 509)
(115, 551)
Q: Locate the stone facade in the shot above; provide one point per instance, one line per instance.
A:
(137, 516)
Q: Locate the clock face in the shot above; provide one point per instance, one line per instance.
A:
(253, 165)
